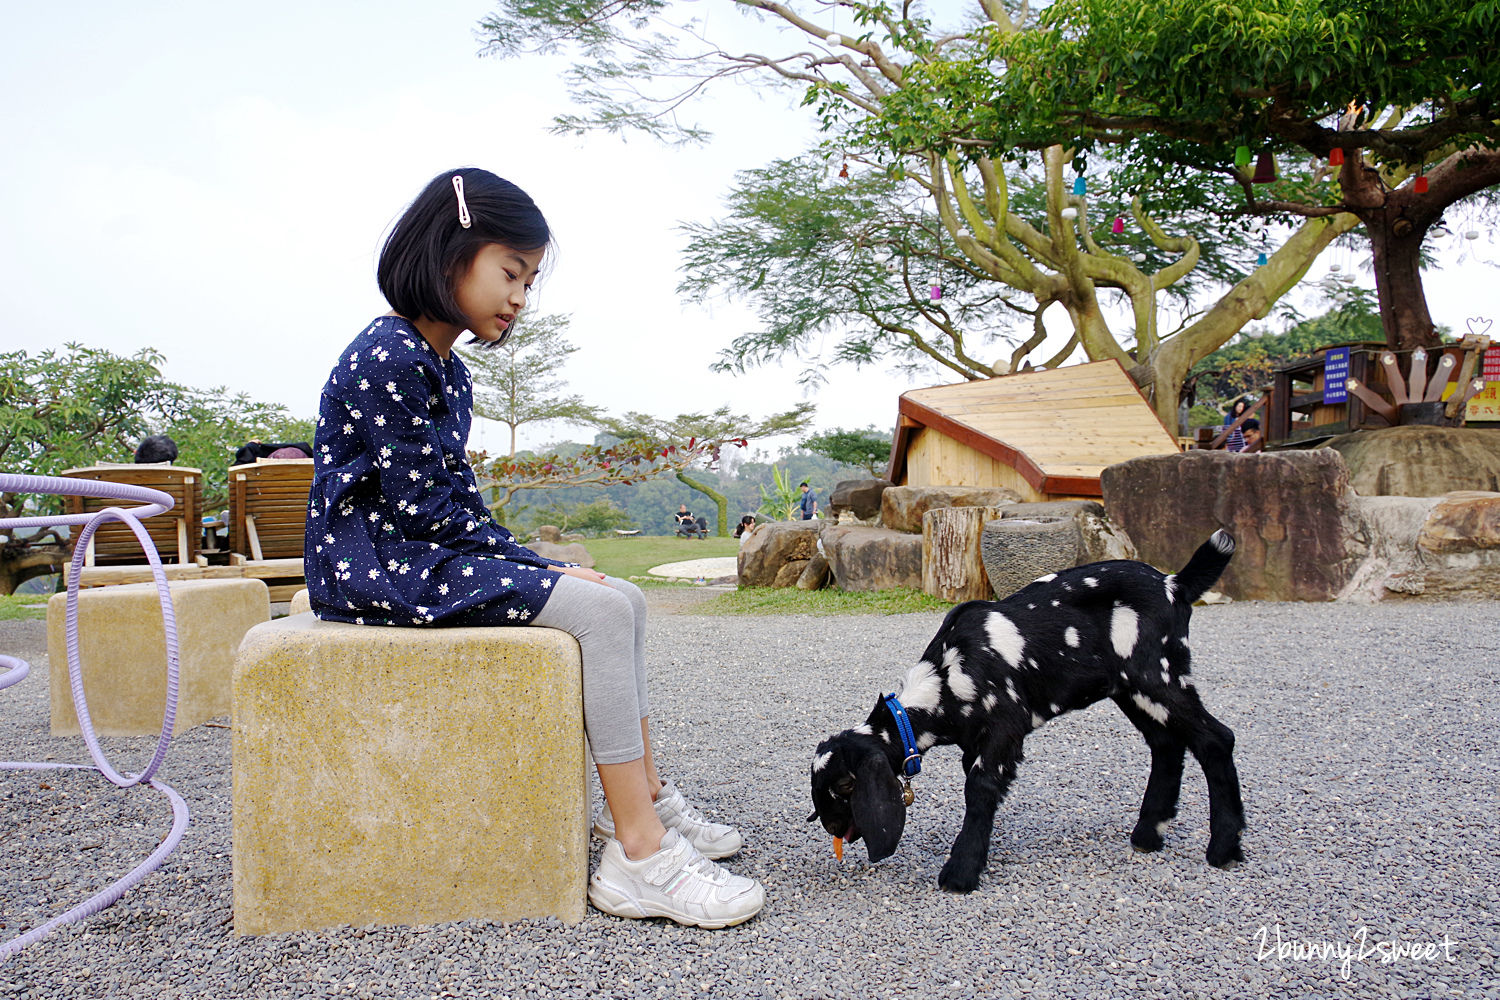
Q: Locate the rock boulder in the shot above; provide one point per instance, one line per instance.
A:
(902, 507)
(859, 497)
(863, 558)
(1419, 461)
(1291, 513)
(772, 546)
(572, 552)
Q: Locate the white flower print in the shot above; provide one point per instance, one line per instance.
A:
(468, 571)
(355, 414)
(413, 475)
(374, 516)
(507, 582)
(379, 420)
(348, 428)
(374, 574)
(364, 383)
(546, 584)
(512, 613)
(391, 566)
(328, 539)
(390, 387)
(443, 589)
(427, 449)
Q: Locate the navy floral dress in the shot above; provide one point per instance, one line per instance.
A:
(397, 531)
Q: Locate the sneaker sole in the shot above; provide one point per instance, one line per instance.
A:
(608, 899)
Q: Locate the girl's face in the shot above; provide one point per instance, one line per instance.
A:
(493, 291)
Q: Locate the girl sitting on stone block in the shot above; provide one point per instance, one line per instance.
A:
(398, 533)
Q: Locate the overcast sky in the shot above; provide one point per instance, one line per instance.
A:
(215, 180)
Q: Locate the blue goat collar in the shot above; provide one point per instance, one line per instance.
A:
(911, 766)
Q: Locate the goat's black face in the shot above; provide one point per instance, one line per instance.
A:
(855, 793)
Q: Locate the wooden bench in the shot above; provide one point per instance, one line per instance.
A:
(114, 554)
(407, 775)
(267, 520)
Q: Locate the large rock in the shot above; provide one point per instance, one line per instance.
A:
(860, 498)
(773, 545)
(863, 558)
(902, 507)
(572, 552)
(1441, 547)
(1421, 461)
(1291, 513)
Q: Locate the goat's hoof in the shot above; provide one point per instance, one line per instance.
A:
(1146, 841)
(1225, 857)
(952, 881)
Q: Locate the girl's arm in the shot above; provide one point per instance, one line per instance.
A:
(390, 398)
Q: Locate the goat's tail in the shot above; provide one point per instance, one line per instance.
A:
(1204, 568)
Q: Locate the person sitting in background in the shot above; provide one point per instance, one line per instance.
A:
(252, 450)
(156, 449)
(743, 528)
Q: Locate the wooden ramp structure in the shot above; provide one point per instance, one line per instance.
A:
(1047, 435)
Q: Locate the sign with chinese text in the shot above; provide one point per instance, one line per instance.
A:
(1335, 374)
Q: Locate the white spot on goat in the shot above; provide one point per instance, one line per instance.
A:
(922, 687)
(960, 683)
(863, 729)
(989, 702)
(1005, 638)
(1151, 708)
(1037, 721)
(926, 740)
(1054, 709)
(1161, 828)
(1124, 626)
(1185, 681)
(821, 761)
(1070, 636)
(966, 711)
(1045, 579)
(1010, 689)
(1090, 581)
(1171, 584)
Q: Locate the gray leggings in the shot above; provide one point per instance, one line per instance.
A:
(610, 626)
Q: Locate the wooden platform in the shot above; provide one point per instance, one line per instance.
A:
(1046, 434)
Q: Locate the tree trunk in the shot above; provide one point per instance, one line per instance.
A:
(1397, 245)
(17, 565)
(952, 560)
(718, 498)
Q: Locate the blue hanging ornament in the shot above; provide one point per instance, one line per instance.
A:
(1261, 260)
(1080, 186)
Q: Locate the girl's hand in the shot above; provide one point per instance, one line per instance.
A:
(592, 576)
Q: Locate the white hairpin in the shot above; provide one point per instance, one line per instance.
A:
(463, 206)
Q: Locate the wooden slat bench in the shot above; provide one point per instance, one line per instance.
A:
(114, 554)
(267, 518)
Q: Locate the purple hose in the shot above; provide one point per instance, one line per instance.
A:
(155, 502)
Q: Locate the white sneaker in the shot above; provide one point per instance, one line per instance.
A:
(676, 882)
(712, 840)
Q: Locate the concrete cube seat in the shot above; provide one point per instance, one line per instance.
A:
(406, 776)
(122, 651)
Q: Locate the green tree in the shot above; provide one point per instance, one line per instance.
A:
(80, 405)
(869, 449)
(1008, 237)
(711, 429)
(518, 383)
(1404, 93)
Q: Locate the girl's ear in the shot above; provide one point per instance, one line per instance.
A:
(879, 810)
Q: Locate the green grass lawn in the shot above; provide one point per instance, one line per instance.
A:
(23, 606)
(633, 556)
(791, 601)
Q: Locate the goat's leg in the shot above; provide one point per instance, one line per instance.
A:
(1212, 743)
(989, 775)
(1159, 805)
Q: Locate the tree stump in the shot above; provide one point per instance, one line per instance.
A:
(952, 564)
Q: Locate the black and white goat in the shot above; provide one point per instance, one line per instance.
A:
(996, 670)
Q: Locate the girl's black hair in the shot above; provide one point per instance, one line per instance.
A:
(428, 251)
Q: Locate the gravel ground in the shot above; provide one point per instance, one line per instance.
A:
(1365, 747)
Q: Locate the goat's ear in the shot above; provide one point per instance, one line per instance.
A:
(879, 810)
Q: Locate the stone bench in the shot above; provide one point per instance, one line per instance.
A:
(404, 776)
(122, 651)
